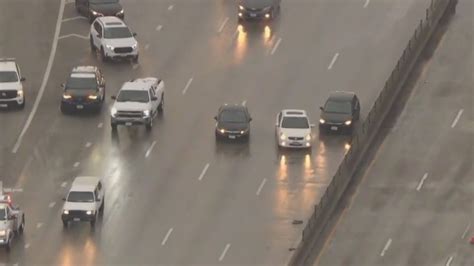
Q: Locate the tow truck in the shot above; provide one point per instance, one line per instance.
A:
(12, 220)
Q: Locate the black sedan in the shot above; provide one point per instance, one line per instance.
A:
(233, 122)
(99, 8)
(340, 112)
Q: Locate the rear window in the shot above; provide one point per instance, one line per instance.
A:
(80, 196)
(8, 76)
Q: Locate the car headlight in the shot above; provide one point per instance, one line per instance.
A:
(67, 96)
(146, 113)
(20, 92)
(94, 12)
(120, 12)
(3, 232)
(322, 121)
(65, 212)
(89, 212)
(348, 122)
(308, 137)
(282, 136)
(108, 46)
(241, 7)
(135, 46)
(113, 111)
(222, 130)
(92, 97)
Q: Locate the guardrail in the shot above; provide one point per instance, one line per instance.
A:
(364, 135)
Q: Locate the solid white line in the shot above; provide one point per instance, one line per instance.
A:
(150, 149)
(387, 245)
(45, 78)
(76, 164)
(51, 205)
(187, 85)
(73, 18)
(276, 46)
(465, 231)
(457, 118)
(367, 2)
(64, 184)
(88, 145)
(261, 186)
(170, 7)
(100, 125)
(223, 25)
(158, 28)
(224, 252)
(27, 245)
(74, 35)
(333, 61)
(448, 263)
(166, 237)
(38, 225)
(203, 172)
(422, 181)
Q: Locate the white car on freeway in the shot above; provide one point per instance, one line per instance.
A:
(113, 39)
(293, 129)
(11, 87)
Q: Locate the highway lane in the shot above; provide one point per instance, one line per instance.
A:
(414, 205)
(128, 175)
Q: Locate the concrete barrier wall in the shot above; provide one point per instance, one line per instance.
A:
(365, 135)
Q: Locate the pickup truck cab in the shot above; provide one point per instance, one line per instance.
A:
(11, 84)
(138, 103)
(12, 221)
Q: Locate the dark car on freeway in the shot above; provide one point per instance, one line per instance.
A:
(258, 9)
(233, 122)
(340, 112)
(99, 8)
(84, 89)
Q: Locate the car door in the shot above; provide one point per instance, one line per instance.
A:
(153, 98)
(356, 108)
(101, 83)
(97, 34)
(10, 218)
(277, 124)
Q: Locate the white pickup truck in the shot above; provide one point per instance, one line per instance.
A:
(12, 221)
(138, 103)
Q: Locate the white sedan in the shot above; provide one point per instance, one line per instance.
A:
(293, 129)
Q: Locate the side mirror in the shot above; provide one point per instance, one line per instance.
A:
(154, 98)
(64, 199)
(321, 108)
(250, 119)
(63, 85)
(134, 34)
(215, 118)
(22, 79)
(113, 97)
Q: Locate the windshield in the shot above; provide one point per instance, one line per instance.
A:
(295, 122)
(117, 33)
(80, 196)
(8, 76)
(3, 214)
(133, 96)
(233, 117)
(338, 107)
(81, 83)
(103, 1)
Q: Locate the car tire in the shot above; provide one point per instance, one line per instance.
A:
(102, 206)
(22, 106)
(162, 103)
(65, 223)
(135, 59)
(22, 226)
(103, 57)
(149, 126)
(113, 126)
(91, 42)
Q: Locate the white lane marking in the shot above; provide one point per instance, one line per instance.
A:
(45, 78)
(421, 182)
(387, 245)
(275, 46)
(64, 184)
(76, 164)
(244, 103)
(27, 245)
(74, 35)
(223, 25)
(187, 85)
(150, 149)
(100, 125)
(261, 186)
(170, 7)
(367, 2)
(333, 61)
(224, 252)
(203, 172)
(88, 145)
(39, 225)
(147, 46)
(166, 237)
(12, 190)
(159, 27)
(457, 118)
(448, 263)
(73, 18)
(465, 231)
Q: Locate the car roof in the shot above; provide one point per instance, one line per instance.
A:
(84, 183)
(111, 21)
(233, 107)
(141, 84)
(7, 64)
(341, 96)
(294, 112)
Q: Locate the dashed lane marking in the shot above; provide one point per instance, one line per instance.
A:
(167, 236)
(39, 225)
(448, 263)
(223, 25)
(148, 151)
(457, 118)
(421, 182)
(63, 184)
(203, 173)
(275, 47)
(76, 164)
(52, 204)
(170, 7)
(333, 61)
(367, 2)
(224, 252)
(466, 230)
(74, 35)
(100, 125)
(244, 103)
(74, 18)
(261, 186)
(387, 246)
(159, 27)
(88, 145)
(187, 85)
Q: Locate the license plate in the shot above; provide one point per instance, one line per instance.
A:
(333, 128)
(76, 219)
(295, 144)
(231, 137)
(253, 15)
(4, 105)
(128, 124)
(80, 106)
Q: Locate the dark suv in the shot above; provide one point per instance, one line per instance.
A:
(84, 89)
(233, 122)
(340, 112)
(99, 8)
(258, 9)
